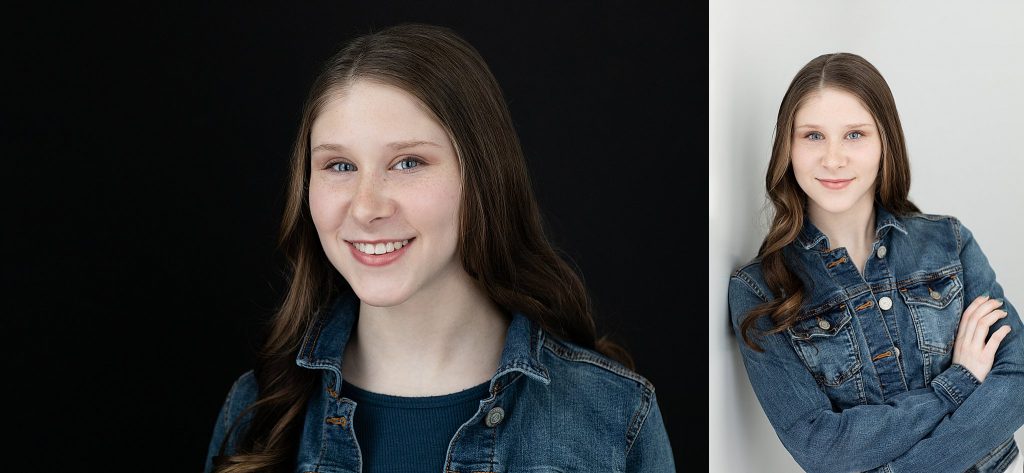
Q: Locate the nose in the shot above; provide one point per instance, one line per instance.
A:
(835, 156)
(371, 200)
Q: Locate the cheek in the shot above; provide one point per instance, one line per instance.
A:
(871, 157)
(324, 207)
(435, 207)
(801, 163)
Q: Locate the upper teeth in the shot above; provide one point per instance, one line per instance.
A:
(380, 248)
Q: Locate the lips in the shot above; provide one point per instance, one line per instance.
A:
(381, 259)
(835, 183)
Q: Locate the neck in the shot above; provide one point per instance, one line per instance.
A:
(431, 344)
(853, 229)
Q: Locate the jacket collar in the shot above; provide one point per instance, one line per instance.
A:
(323, 345)
(810, 236)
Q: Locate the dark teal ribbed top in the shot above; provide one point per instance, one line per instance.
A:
(403, 434)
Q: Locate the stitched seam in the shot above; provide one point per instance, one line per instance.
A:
(743, 277)
(494, 443)
(956, 230)
(639, 418)
(951, 270)
(564, 352)
(950, 390)
(968, 373)
(996, 451)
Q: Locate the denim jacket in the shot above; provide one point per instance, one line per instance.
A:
(551, 406)
(864, 381)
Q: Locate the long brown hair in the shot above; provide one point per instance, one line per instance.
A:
(850, 73)
(502, 242)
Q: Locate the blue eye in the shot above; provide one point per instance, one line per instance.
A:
(335, 167)
(414, 163)
(815, 136)
(852, 133)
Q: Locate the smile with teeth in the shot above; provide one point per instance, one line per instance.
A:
(380, 248)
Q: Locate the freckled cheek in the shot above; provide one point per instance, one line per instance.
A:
(327, 208)
(434, 207)
(800, 166)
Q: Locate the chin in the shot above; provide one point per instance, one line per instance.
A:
(835, 206)
(380, 296)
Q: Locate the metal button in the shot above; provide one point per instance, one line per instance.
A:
(897, 350)
(935, 295)
(881, 251)
(495, 416)
(885, 303)
(824, 324)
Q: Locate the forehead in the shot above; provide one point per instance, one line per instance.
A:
(832, 105)
(372, 113)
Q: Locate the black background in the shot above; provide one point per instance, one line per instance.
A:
(145, 157)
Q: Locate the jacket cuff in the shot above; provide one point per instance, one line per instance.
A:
(956, 383)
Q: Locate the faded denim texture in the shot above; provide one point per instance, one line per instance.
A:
(865, 381)
(565, 408)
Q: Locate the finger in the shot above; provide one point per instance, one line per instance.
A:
(968, 313)
(977, 302)
(972, 321)
(968, 323)
(986, 322)
(993, 343)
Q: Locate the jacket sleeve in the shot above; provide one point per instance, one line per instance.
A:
(996, 409)
(241, 394)
(819, 438)
(651, 451)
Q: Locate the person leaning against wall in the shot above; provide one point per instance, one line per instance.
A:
(874, 335)
(428, 324)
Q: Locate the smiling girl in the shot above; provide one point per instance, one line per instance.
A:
(429, 325)
(875, 336)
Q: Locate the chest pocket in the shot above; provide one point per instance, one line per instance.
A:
(936, 305)
(826, 343)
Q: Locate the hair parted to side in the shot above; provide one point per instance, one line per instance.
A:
(502, 241)
(855, 75)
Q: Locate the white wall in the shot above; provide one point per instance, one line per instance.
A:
(957, 73)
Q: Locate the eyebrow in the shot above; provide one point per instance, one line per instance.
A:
(855, 125)
(396, 145)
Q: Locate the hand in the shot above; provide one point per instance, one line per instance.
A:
(970, 349)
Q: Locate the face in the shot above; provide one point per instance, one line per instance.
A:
(384, 173)
(836, 152)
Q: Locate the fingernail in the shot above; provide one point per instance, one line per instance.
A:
(985, 295)
(999, 302)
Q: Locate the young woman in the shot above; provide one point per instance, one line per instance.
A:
(875, 336)
(428, 325)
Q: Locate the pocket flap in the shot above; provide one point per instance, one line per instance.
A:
(937, 292)
(826, 324)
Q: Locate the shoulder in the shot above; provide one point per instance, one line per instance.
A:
(925, 227)
(616, 395)
(748, 290)
(748, 282)
(933, 224)
(929, 222)
(242, 394)
(568, 358)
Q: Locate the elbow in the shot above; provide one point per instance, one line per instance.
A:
(816, 444)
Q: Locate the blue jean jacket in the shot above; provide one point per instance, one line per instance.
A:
(552, 406)
(864, 381)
